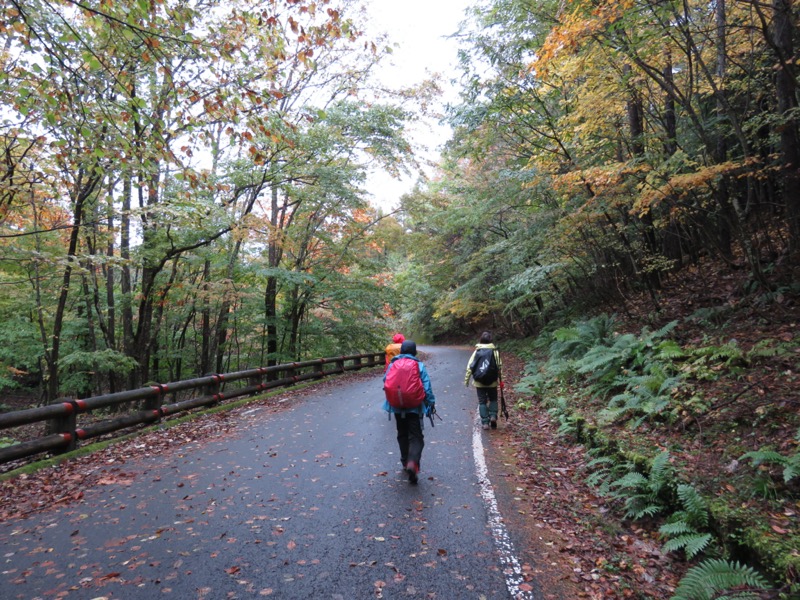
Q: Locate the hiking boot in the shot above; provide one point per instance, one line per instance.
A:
(493, 423)
(485, 426)
(411, 469)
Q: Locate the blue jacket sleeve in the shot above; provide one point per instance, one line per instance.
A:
(386, 405)
(426, 383)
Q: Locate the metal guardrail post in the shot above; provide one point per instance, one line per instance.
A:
(155, 403)
(65, 425)
(215, 387)
(254, 380)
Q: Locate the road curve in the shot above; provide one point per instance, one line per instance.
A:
(307, 502)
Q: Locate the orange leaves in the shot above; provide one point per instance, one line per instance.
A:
(678, 186)
(584, 21)
(606, 181)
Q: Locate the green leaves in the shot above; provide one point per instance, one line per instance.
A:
(715, 579)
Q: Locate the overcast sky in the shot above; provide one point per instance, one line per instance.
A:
(419, 28)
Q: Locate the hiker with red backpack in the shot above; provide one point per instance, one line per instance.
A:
(409, 396)
(485, 368)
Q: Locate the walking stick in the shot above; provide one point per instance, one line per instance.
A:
(503, 408)
(432, 413)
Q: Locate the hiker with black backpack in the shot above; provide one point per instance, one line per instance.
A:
(409, 396)
(485, 367)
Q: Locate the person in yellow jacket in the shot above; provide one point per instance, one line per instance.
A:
(485, 368)
(393, 349)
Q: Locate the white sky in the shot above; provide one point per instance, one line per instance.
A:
(419, 30)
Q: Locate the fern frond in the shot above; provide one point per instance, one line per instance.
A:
(677, 543)
(630, 480)
(636, 509)
(691, 543)
(597, 479)
(676, 528)
(600, 460)
(712, 576)
(665, 330)
(694, 505)
(764, 456)
(670, 350)
(661, 466)
(792, 469)
(696, 544)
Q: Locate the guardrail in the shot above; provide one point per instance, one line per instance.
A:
(63, 414)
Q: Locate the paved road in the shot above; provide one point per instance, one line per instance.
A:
(308, 502)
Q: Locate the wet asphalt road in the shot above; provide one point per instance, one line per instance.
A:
(308, 502)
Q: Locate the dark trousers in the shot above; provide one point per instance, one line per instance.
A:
(409, 437)
(487, 403)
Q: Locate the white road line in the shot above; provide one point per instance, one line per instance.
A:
(508, 558)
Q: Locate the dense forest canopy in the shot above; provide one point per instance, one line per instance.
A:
(601, 146)
(182, 188)
(182, 182)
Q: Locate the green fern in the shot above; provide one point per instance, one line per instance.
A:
(647, 395)
(770, 348)
(709, 363)
(669, 350)
(682, 526)
(711, 316)
(713, 577)
(790, 464)
(695, 508)
(606, 471)
(691, 543)
(575, 341)
(644, 496)
(661, 469)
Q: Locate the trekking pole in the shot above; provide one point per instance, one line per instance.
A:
(503, 400)
(433, 412)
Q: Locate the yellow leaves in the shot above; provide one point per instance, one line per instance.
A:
(681, 185)
(582, 23)
(607, 181)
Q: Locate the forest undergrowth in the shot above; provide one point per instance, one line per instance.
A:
(656, 454)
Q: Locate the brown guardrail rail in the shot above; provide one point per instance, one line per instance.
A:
(64, 415)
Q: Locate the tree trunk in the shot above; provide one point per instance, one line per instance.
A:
(111, 322)
(670, 119)
(724, 237)
(785, 89)
(636, 130)
(224, 311)
(125, 276)
(205, 322)
(82, 192)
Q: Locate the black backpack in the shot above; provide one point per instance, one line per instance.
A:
(484, 366)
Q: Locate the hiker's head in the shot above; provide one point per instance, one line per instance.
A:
(409, 347)
(398, 338)
(486, 337)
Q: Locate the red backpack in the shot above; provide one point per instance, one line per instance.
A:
(403, 384)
